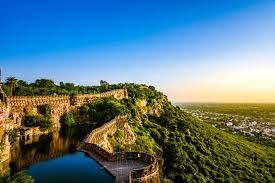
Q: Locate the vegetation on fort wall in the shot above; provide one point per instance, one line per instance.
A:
(37, 120)
(43, 118)
(103, 110)
(68, 120)
(12, 134)
(100, 111)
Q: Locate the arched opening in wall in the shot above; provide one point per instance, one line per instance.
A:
(10, 116)
(64, 108)
(17, 121)
(27, 137)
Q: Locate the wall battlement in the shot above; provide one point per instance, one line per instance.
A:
(59, 103)
(79, 100)
(22, 101)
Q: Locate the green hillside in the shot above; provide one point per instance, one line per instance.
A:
(190, 150)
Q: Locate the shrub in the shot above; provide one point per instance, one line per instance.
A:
(68, 120)
(30, 121)
(38, 120)
(45, 110)
(12, 136)
(46, 123)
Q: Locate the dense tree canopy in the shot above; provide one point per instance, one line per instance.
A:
(48, 87)
(12, 82)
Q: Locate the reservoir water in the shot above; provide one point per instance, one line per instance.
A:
(53, 158)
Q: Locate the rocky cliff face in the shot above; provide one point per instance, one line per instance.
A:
(129, 135)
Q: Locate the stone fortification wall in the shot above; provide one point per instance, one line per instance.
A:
(4, 116)
(18, 104)
(100, 135)
(111, 127)
(23, 101)
(94, 142)
(59, 103)
(79, 100)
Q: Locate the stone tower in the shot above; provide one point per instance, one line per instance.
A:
(3, 96)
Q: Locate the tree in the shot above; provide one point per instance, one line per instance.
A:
(61, 84)
(69, 86)
(68, 120)
(12, 82)
(22, 83)
(44, 83)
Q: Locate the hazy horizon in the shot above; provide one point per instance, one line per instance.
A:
(193, 51)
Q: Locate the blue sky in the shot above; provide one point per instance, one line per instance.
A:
(208, 50)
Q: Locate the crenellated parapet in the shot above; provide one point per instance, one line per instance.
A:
(79, 100)
(23, 101)
(59, 103)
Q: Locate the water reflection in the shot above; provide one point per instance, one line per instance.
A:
(51, 158)
(21, 154)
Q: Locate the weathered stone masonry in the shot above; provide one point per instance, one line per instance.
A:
(23, 101)
(79, 100)
(59, 103)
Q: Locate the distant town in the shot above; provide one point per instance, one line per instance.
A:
(250, 123)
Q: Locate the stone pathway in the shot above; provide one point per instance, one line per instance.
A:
(119, 169)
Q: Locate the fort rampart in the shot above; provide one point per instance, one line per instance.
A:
(79, 100)
(99, 134)
(59, 103)
(23, 101)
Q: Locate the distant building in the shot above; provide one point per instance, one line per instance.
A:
(103, 83)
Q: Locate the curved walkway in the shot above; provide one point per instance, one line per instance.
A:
(132, 167)
(119, 169)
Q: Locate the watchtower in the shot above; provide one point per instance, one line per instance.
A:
(3, 96)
